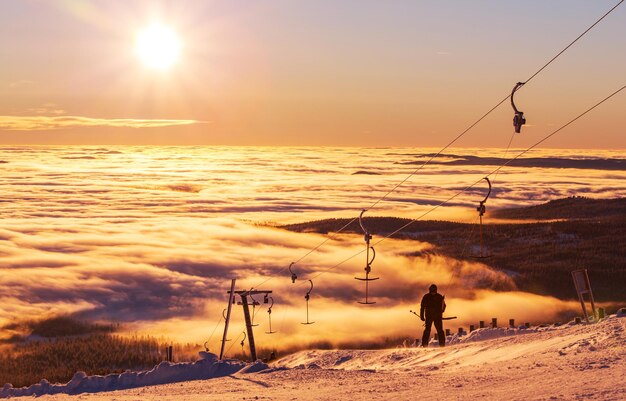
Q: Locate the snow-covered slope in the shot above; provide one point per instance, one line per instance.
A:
(577, 362)
(506, 344)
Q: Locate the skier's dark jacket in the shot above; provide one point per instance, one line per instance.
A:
(434, 305)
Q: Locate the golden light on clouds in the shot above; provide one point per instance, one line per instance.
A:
(151, 236)
(158, 47)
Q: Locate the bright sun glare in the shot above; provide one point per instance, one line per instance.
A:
(158, 47)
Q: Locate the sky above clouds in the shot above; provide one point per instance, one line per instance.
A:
(350, 73)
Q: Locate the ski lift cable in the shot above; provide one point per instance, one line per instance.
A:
(557, 130)
(234, 342)
(208, 342)
(477, 182)
(280, 333)
(488, 112)
(465, 243)
(467, 240)
(493, 180)
(519, 119)
(373, 205)
(459, 136)
(506, 163)
(331, 236)
(572, 42)
(294, 275)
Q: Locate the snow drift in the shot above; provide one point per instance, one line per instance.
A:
(488, 345)
(166, 372)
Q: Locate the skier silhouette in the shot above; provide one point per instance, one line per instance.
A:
(434, 305)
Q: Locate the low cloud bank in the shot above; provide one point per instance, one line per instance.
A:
(151, 236)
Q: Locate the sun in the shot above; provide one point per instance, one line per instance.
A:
(158, 47)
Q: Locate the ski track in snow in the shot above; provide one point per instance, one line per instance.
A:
(568, 362)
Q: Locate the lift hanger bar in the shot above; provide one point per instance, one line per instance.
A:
(368, 262)
(518, 119)
(307, 297)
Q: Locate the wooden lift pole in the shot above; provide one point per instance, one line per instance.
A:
(231, 295)
(246, 315)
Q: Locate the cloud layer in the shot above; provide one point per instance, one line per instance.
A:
(151, 236)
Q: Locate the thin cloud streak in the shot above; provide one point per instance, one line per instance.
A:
(42, 123)
(21, 83)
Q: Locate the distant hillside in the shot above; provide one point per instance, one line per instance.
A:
(541, 255)
(569, 208)
(540, 162)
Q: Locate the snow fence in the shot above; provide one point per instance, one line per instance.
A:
(166, 372)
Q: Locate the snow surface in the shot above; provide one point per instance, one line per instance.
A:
(566, 362)
(166, 372)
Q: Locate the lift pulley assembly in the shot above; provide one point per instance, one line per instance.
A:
(518, 119)
(293, 275)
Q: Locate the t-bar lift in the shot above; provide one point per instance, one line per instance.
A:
(244, 295)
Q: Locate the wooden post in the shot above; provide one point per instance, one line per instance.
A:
(447, 332)
(601, 313)
(472, 327)
(494, 322)
(246, 315)
(169, 354)
(460, 331)
(578, 320)
(512, 323)
(527, 324)
(481, 324)
(231, 295)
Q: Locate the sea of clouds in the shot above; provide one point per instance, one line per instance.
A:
(151, 236)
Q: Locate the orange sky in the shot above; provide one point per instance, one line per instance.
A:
(359, 73)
